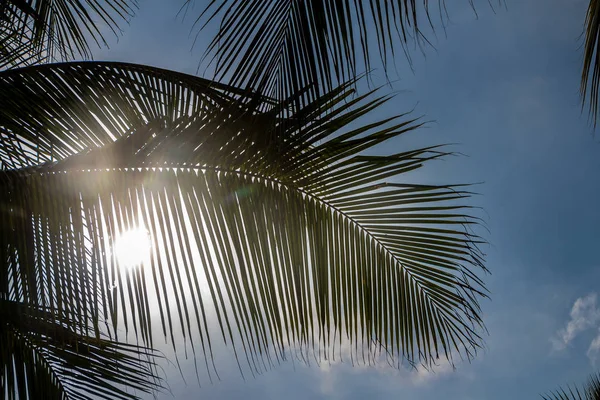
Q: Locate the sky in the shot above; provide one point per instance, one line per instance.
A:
(503, 86)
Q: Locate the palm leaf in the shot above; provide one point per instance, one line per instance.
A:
(32, 31)
(271, 221)
(16, 48)
(590, 76)
(282, 47)
(76, 107)
(41, 357)
(591, 391)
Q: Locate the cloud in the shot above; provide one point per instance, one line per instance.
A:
(337, 380)
(594, 349)
(423, 376)
(585, 314)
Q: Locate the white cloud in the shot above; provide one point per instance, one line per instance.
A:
(422, 376)
(585, 314)
(335, 377)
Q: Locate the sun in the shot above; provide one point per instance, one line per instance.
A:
(133, 247)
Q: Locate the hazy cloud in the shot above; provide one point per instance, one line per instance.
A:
(585, 314)
(594, 349)
(423, 376)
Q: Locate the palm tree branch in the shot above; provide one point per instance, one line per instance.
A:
(237, 196)
(115, 98)
(590, 391)
(280, 47)
(74, 365)
(590, 75)
(36, 378)
(427, 284)
(59, 29)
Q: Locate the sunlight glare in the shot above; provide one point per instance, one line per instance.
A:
(133, 247)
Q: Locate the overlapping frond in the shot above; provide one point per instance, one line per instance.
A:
(591, 391)
(42, 356)
(32, 31)
(16, 51)
(271, 229)
(282, 47)
(55, 111)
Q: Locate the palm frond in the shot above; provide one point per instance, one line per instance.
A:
(591, 391)
(16, 50)
(590, 76)
(55, 111)
(32, 31)
(268, 224)
(281, 47)
(41, 356)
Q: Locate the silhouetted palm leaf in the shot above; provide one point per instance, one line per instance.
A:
(16, 49)
(72, 108)
(591, 391)
(266, 223)
(43, 357)
(590, 76)
(33, 31)
(282, 47)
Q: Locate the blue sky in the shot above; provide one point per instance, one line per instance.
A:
(504, 86)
